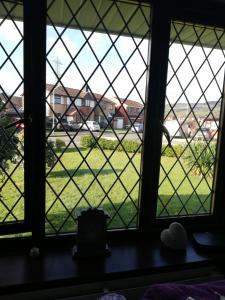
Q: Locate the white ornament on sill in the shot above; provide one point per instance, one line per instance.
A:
(175, 237)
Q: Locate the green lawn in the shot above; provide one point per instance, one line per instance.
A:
(120, 186)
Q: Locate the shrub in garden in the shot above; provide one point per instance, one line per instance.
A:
(130, 146)
(201, 158)
(170, 152)
(59, 144)
(49, 154)
(8, 143)
(87, 141)
(167, 151)
(107, 144)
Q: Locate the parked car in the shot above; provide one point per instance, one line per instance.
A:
(73, 125)
(137, 127)
(48, 124)
(89, 125)
(104, 125)
(203, 134)
(63, 125)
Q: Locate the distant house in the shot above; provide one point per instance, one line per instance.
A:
(14, 106)
(176, 128)
(212, 124)
(76, 105)
(131, 111)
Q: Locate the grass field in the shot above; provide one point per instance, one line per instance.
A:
(121, 186)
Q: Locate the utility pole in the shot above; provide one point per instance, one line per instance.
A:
(57, 71)
(57, 67)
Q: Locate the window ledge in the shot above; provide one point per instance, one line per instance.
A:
(55, 267)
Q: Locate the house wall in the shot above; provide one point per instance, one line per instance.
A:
(15, 102)
(108, 108)
(86, 106)
(122, 111)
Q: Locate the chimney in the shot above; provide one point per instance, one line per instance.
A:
(86, 88)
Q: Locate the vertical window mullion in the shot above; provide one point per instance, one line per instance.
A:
(35, 47)
(154, 115)
(219, 188)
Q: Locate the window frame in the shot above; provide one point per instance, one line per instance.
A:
(34, 89)
(157, 90)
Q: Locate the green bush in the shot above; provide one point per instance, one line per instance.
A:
(170, 152)
(107, 144)
(8, 143)
(130, 146)
(87, 141)
(49, 154)
(59, 144)
(201, 158)
(127, 145)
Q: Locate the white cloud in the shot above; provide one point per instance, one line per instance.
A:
(9, 32)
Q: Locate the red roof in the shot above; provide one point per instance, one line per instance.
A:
(132, 103)
(71, 112)
(128, 102)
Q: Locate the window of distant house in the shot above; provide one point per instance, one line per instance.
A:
(89, 103)
(78, 102)
(57, 99)
(68, 100)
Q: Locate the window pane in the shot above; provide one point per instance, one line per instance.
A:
(57, 100)
(11, 110)
(192, 116)
(98, 56)
(78, 102)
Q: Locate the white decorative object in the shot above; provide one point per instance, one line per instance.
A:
(175, 237)
(34, 252)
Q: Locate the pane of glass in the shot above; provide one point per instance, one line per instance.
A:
(11, 110)
(192, 116)
(97, 57)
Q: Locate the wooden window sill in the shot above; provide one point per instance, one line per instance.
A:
(55, 266)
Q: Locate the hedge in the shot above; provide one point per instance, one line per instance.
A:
(88, 141)
(170, 152)
(107, 144)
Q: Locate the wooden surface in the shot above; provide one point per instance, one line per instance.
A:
(55, 267)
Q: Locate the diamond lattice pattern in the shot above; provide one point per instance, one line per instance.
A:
(192, 111)
(11, 109)
(96, 75)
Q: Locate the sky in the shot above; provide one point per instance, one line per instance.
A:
(112, 64)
